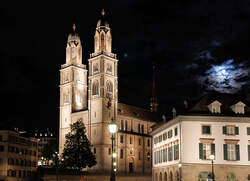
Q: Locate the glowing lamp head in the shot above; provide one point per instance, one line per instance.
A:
(179, 165)
(114, 155)
(112, 127)
(211, 157)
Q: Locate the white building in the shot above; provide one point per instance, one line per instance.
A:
(219, 125)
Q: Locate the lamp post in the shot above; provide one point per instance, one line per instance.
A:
(179, 166)
(113, 130)
(211, 157)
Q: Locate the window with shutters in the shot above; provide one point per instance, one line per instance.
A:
(230, 130)
(206, 129)
(248, 152)
(248, 130)
(206, 149)
(130, 140)
(231, 151)
(148, 142)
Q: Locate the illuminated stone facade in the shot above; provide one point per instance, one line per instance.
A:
(93, 98)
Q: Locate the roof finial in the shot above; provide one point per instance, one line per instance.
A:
(74, 27)
(103, 12)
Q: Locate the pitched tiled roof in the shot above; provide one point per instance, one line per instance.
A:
(226, 100)
(138, 113)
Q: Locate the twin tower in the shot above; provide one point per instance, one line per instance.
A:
(85, 94)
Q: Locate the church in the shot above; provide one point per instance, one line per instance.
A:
(91, 95)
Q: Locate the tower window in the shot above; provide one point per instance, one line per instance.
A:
(102, 42)
(95, 88)
(109, 86)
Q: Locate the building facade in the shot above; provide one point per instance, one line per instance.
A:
(219, 125)
(92, 96)
(46, 139)
(18, 156)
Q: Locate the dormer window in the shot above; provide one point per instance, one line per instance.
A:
(238, 108)
(214, 107)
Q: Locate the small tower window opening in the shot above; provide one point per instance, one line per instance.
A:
(109, 86)
(95, 88)
(102, 42)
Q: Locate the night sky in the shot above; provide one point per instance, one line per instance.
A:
(197, 46)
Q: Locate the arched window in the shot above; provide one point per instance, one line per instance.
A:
(109, 86)
(102, 42)
(148, 156)
(156, 179)
(177, 176)
(231, 177)
(165, 176)
(160, 178)
(170, 176)
(95, 88)
(204, 176)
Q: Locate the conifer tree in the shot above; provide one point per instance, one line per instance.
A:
(77, 152)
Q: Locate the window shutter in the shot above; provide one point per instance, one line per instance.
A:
(237, 130)
(224, 130)
(237, 152)
(248, 152)
(213, 149)
(225, 151)
(248, 131)
(201, 152)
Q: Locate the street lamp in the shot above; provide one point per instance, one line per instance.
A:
(179, 166)
(211, 157)
(113, 130)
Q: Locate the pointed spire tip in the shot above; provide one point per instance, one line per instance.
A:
(74, 27)
(103, 12)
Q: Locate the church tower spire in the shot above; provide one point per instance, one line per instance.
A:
(153, 101)
(73, 85)
(103, 39)
(74, 48)
(102, 90)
